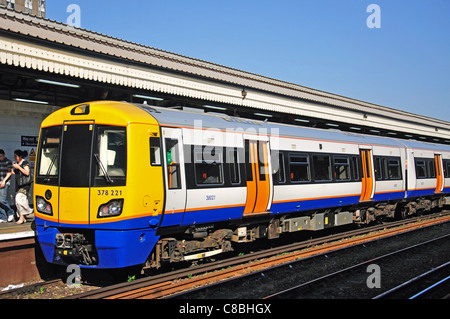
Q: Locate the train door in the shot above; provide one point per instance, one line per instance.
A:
(259, 179)
(174, 173)
(439, 173)
(367, 179)
(75, 178)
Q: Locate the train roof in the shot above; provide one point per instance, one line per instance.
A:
(425, 145)
(224, 122)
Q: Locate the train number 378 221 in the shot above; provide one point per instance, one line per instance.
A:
(109, 192)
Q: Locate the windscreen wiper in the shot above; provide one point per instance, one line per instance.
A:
(105, 173)
(52, 163)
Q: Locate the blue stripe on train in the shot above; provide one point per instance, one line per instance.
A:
(305, 205)
(378, 197)
(420, 192)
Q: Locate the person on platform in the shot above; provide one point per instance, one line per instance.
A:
(6, 212)
(24, 179)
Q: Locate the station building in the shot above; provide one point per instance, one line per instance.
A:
(46, 65)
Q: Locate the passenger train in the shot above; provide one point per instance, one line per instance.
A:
(120, 184)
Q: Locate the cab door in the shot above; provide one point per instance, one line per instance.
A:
(367, 179)
(259, 179)
(174, 176)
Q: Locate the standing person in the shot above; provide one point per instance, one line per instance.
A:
(23, 184)
(5, 181)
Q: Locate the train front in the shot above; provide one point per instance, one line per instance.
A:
(97, 197)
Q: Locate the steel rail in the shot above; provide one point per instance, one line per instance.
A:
(413, 282)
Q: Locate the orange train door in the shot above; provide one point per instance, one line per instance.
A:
(259, 179)
(439, 174)
(367, 176)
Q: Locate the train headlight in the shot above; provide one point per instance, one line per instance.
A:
(44, 207)
(112, 208)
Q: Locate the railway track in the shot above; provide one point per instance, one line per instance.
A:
(341, 277)
(29, 289)
(174, 283)
(432, 284)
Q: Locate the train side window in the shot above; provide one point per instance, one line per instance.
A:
(233, 165)
(208, 165)
(447, 168)
(278, 167)
(341, 168)
(394, 171)
(378, 171)
(322, 167)
(421, 170)
(431, 168)
(299, 168)
(355, 168)
(155, 151)
(173, 163)
(384, 167)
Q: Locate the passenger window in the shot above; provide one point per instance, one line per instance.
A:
(421, 171)
(447, 168)
(431, 168)
(355, 168)
(208, 165)
(278, 167)
(384, 168)
(322, 167)
(233, 165)
(299, 168)
(394, 171)
(341, 169)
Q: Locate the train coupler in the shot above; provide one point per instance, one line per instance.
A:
(76, 248)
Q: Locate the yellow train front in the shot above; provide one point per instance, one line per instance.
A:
(90, 204)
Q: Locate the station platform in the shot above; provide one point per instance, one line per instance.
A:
(11, 231)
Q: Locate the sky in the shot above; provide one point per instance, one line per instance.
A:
(396, 54)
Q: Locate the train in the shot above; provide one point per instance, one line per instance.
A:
(122, 185)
